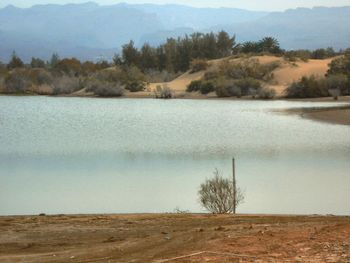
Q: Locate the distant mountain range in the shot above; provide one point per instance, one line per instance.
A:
(91, 31)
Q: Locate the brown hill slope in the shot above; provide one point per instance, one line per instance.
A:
(284, 75)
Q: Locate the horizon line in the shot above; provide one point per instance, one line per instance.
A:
(168, 4)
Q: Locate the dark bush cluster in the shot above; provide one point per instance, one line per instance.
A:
(247, 68)
(265, 45)
(198, 65)
(305, 55)
(336, 82)
(307, 87)
(236, 88)
(202, 86)
(176, 54)
(236, 78)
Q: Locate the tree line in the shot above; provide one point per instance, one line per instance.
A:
(134, 67)
(175, 55)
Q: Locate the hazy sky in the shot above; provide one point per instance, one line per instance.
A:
(247, 4)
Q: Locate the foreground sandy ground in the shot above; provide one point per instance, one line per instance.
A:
(174, 238)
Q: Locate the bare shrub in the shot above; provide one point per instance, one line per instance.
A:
(163, 92)
(110, 75)
(17, 81)
(44, 89)
(2, 84)
(105, 89)
(40, 77)
(216, 194)
(335, 93)
(65, 85)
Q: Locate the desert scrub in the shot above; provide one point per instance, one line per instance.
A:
(66, 85)
(157, 76)
(267, 93)
(194, 86)
(307, 87)
(17, 81)
(225, 87)
(198, 65)
(338, 82)
(104, 88)
(202, 86)
(248, 68)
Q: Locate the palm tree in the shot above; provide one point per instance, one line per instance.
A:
(270, 45)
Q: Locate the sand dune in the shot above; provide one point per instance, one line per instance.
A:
(180, 83)
(289, 73)
(286, 74)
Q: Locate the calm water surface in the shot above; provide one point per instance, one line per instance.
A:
(80, 155)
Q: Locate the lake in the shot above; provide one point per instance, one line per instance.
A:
(86, 155)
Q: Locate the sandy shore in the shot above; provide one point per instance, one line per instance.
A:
(337, 116)
(163, 237)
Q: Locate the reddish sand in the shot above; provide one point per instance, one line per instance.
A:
(174, 238)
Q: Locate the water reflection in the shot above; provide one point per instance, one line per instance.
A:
(69, 155)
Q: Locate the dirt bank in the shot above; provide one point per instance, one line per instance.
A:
(157, 238)
(337, 116)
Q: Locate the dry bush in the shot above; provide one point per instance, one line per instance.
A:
(110, 75)
(247, 68)
(105, 89)
(202, 86)
(66, 85)
(40, 76)
(43, 89)
(335, 93)
(198, 65)
(216, 194)
(267, 93)
(163, 92)
(157, 76)
(2, 84)
(294, 55)
(17, 81)
(225, 87)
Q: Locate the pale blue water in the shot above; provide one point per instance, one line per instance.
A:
(80, 155)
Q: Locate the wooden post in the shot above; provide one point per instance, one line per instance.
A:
(234, 186)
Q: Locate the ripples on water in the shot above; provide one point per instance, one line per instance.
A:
(143, 155)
